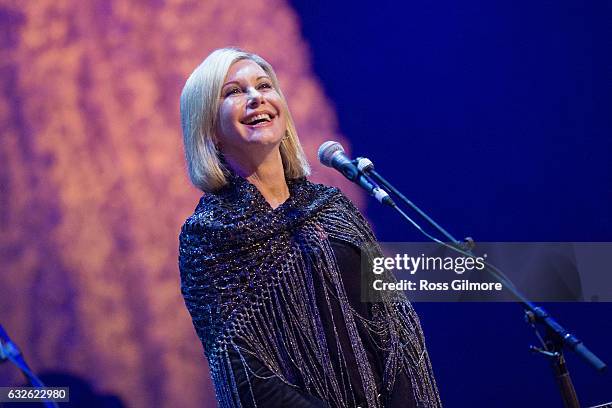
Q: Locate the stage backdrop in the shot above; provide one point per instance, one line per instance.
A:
(93, 182)
(495, 117)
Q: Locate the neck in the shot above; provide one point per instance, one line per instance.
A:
(267, 174)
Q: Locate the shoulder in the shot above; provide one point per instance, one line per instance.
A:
(323, 194)
(336, 207)
(198, 240)
(340, 213)
(203, 213)
(195, 222)
(337, 198)
(200, 226)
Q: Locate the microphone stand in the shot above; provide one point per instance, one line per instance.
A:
(10, 351)
(556, 338)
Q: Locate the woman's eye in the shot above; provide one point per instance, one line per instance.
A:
(232, 91)
(264, 85)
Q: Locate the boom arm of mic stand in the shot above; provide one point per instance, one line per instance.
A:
(386, 185)
(540, 315)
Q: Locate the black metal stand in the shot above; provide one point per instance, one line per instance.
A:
(553, 350)
(9, 351)
(556, 336)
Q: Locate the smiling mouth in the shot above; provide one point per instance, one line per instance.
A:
(262, 118)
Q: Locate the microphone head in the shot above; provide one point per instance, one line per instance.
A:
(327, 151)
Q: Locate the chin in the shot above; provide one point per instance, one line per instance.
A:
(265, 138)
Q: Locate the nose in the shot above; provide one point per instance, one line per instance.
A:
(255, 98)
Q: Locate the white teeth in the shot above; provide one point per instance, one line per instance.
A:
(259, 117)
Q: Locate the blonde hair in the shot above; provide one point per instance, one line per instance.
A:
(199, 114)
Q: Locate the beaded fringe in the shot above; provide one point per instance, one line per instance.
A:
(277, 322)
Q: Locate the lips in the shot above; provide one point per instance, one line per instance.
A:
(257, 118)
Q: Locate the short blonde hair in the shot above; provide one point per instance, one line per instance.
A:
(200, 102)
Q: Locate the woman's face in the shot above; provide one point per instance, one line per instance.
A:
(252, 113)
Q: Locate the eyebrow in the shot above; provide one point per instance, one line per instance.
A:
(236, 82)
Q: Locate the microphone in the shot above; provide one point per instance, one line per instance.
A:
(331, 154)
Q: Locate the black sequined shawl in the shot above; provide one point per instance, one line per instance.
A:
(246, 277)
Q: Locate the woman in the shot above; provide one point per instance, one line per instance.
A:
(270, 262)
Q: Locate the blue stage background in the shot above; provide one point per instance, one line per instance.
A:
(495, 118)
